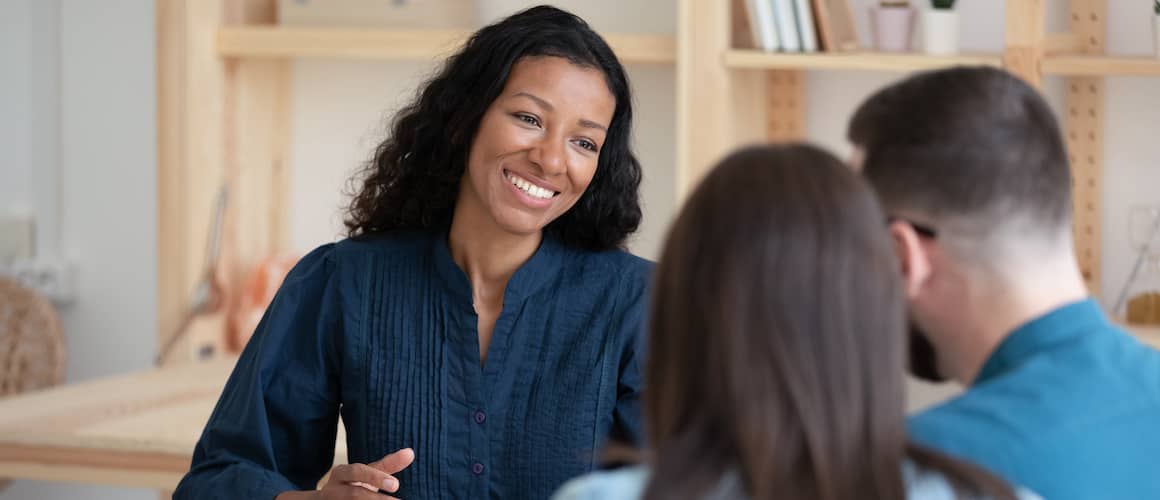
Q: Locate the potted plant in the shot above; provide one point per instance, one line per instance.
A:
(893, 23)
(940, 28)
(1156, 26)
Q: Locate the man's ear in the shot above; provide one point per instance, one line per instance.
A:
(912, 255)
(857, 158)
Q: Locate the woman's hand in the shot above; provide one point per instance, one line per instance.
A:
(359, 481)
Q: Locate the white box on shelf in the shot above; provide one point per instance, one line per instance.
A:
(393, 14)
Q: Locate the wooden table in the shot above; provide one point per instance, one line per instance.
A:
(136, 430)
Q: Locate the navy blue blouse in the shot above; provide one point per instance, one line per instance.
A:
(382, 330)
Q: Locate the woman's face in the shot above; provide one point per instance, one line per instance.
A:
(538, 144)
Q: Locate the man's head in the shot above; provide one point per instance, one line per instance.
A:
(970, 165)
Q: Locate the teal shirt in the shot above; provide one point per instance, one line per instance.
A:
(1067, 405)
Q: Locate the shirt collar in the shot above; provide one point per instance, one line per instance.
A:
(1061, 325)
(530, 276)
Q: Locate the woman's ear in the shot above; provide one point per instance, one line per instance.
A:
(912, 255)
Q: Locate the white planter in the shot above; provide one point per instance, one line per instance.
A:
(940, 31)
(893, 27)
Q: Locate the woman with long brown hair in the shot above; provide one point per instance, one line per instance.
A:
(776, 340)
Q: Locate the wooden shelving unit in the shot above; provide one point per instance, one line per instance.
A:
(730, 95)
(1072, 65)
(274, 42)
(224, 105)
(852, 61)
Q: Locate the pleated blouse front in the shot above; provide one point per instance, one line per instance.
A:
(382, 331)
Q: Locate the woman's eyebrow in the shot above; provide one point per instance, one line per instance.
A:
(586, 123)
(544, 104)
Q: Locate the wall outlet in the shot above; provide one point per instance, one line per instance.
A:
(52, 278)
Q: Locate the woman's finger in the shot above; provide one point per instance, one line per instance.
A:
(362, 473)
(396, 461)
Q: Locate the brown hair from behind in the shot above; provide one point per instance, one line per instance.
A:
(776, 339)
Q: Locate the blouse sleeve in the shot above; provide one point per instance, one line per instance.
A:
(274, 427)
(626, 426)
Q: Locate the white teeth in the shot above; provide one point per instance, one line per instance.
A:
(529, 188)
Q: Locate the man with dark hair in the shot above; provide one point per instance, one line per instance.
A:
(971, 167)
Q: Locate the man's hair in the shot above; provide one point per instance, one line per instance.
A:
(970, 145)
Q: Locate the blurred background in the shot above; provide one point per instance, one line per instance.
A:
(79, 135)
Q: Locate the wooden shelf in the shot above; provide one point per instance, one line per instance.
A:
(860, 61)
(1101, 66)
(274, 42)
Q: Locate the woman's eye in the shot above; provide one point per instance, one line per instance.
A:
(529, 119)
(586, 144)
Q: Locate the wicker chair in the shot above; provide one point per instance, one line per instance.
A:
(31, 342)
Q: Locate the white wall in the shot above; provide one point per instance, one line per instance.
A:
(77, 108)
(1131, 154)
(15, 136)
(30, 115)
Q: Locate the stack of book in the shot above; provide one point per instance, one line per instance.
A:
(801, 25)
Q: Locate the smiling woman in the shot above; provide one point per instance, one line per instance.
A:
(478, 331)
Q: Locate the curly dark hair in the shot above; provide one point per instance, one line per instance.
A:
(413, 180)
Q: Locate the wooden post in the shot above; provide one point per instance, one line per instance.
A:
(718, 107)
(1025, 35)
(1084, 129)
(173, 285)
(190, 167)
(221, 123)
(257, 128)
(785, 101)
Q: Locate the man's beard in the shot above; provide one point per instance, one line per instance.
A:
(923, 358)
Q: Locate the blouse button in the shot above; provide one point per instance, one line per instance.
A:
(480, 416)
(477, 468)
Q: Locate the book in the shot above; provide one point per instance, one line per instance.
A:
(786, 25)
(742, 26)
(835, 23)
(805, 24)
(762, 22)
